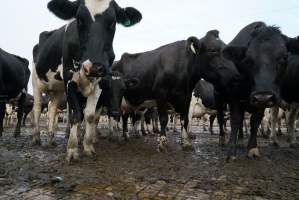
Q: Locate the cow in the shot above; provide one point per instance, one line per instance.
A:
(14, 77)
(168, 75)
(289, 94)
(87, 55)
(205, 94)
(28, 106)
(260, 54)
(47, 79)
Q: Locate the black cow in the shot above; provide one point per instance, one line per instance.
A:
(169, 74)
(87, 54)
(260, 53)
(289, 93)
(14, 77)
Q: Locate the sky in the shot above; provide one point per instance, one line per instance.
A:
(164, 21)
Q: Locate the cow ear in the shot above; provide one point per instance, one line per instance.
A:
(292, 44)
(127, 16)
(234, 53)
(64, 9)
(193, 45)
(132, 83)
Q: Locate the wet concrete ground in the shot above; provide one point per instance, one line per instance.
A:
(135, 170)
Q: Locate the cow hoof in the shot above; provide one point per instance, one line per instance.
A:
(72, 155)
(89, 150)
(294, 145)
(36, 142)
(222, 141)
(231, 158)
(253, 153)
(186, 145)
(52, 143)
(162, 144)
(274, 144)
(144, 133)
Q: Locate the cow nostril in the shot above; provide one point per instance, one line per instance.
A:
(264, 99)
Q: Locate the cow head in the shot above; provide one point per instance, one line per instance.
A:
(207, 52)
(263, 61)
(115, 85)
(96, 21)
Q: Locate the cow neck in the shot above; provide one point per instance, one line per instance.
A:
(195, 66)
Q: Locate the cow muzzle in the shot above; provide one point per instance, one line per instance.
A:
(94, 69)
(263, 99)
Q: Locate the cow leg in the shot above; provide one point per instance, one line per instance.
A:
(75, 120)
(220, 119)
(90, 119)
(174, 123)
(36, 116)
(255, 121)
(236, 116)
(125, 117)
(273, 135)
(155, 121)
(212, 119)
(68, 124)
(142, 122)
(186, 144)
(2, 114)
(204, 121)
(241, 133)
(53, 104)
(113, 130)
(163, 117)
(292, 115)
(24, 118)
(279, 132)
(21, 103)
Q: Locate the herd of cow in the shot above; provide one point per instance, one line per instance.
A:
(258, 69)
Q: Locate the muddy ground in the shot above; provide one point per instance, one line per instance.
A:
(135, 170)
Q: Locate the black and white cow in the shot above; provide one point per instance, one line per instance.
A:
(289, 93)
(47, 79)
(168, 75)
(87, 55)
(28, 106)
(14, 77)
(260, 53)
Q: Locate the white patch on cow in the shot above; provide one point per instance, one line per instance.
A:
(85, 86)
(68, 24)
(87, 64)
(97, 7)
(115, 78)
(193, 48)
(54, 84)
